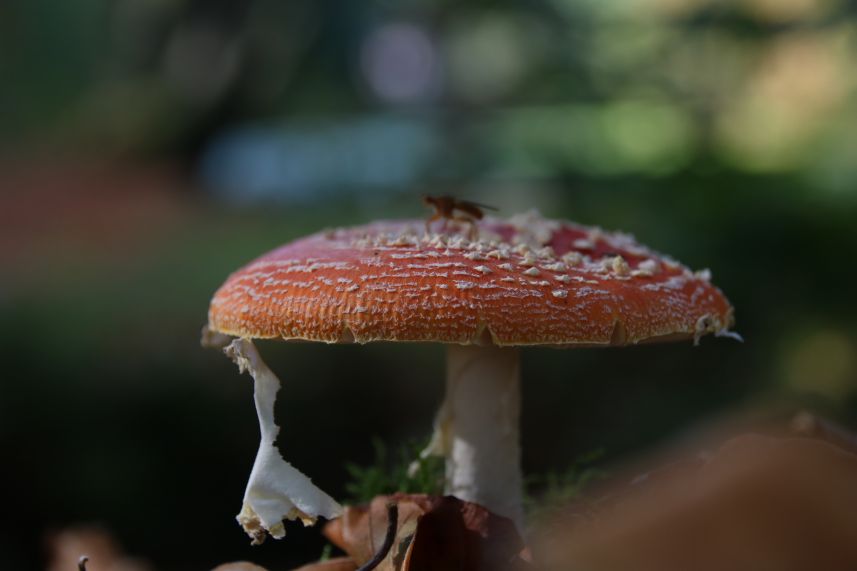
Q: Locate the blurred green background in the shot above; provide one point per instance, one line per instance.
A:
(150, 147)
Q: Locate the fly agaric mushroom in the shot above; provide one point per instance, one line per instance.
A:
(524, 281)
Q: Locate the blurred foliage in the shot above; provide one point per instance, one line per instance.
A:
(543, 89)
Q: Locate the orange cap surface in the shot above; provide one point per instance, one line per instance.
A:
(524, 281)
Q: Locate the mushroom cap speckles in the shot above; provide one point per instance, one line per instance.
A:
(388, 281)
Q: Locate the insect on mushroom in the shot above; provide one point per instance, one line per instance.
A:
(451, 208)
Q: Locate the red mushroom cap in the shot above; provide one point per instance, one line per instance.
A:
(524, 281)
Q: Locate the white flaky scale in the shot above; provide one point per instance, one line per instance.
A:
(555, 267)
(546, 253)
(533, 229)
(572, 258)
(646, 268)
(475, 255)
(277, 491)
(704, 275)
(620, 266)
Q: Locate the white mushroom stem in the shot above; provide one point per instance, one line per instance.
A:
(477, 428)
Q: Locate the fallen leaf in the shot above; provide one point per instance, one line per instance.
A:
(335, 564)
(103, 551)
(239, 566)
(432, 533)
(758, 503)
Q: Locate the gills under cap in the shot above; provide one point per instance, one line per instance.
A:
(524, 281)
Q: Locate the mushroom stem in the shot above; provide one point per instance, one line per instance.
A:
(480, 421)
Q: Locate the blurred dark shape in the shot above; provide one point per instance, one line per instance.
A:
(202, 61)
(103, 552)
(758, 502)
(433, 532)
(239, 566)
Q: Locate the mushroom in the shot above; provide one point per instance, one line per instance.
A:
(524, 281)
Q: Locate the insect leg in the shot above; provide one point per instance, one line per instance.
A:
(429, 220)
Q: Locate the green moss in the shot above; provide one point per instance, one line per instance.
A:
(401, 471)
(405, 471)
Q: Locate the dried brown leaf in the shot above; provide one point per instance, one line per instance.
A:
(103, 551)
(433, 533)
(239, 566)
(787, 504)
(335, 564)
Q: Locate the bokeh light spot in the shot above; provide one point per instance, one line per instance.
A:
(822, 362)
(399, 63)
